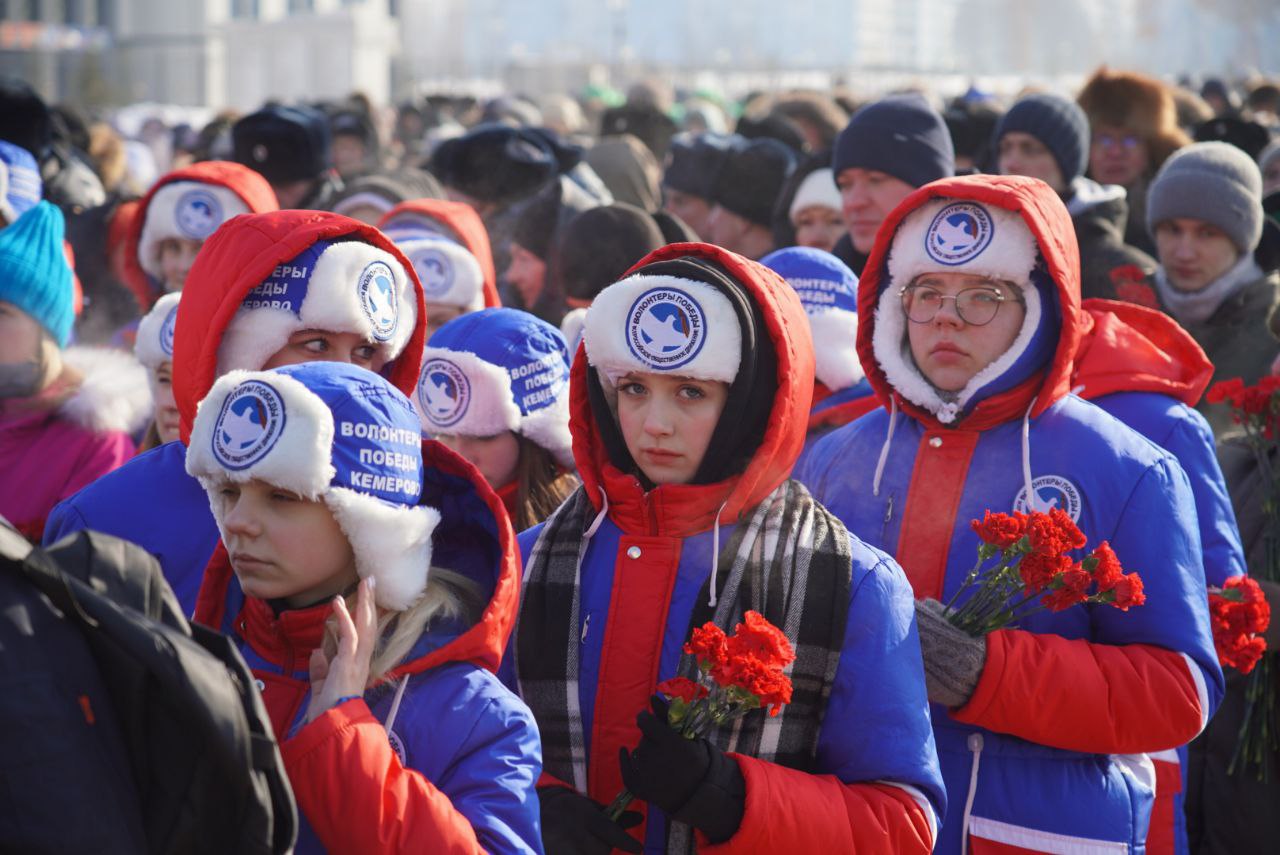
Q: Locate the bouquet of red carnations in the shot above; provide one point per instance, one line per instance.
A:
(736, 674)
(1033, 572)
(1255, 408)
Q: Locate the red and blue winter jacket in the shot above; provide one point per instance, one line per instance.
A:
(151, 500)
(1140, 366)
(1051, 751)
(876, 786)
(454, 770)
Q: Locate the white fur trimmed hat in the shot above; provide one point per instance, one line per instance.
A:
(154, 343)
(661, 323)
(962, 236)
(828, 290)
(333, 432)
(450, 274)
(192, 210)
(497, 370)
(333, 285)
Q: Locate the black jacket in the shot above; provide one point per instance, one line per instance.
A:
(1109, 267)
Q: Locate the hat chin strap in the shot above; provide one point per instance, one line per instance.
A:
(893, 352)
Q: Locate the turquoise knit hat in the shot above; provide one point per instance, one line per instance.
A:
(34, 273)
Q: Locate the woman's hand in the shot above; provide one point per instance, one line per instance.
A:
(347, 672)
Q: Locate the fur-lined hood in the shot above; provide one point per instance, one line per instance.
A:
(112, 393)
(684, 509)
(1050, 226)
(237, 259)
(1142, 104)
(465, 223)
(245, 184)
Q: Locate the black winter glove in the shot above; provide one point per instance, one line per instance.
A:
(690, 780)
(573, 824)
(953, 659)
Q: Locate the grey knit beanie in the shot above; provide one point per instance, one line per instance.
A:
(1211, 181)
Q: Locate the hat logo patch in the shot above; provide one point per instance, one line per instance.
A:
(959, 233)
(166, 331)
(377, 291)
(666, 328)
(444, 392)
(435, 271)
(249, 425)
(198, 214)
(1049, 492)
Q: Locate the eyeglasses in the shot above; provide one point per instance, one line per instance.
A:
(975, 306)
(1128, 141)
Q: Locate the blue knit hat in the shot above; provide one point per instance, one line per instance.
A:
(900, 136)
(34, 273)
(20, 184)
(1058, 123)
(694, 162)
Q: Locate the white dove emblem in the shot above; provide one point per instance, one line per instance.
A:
(239, 429)
(381, 303)
(664, 335)
(1040, 505)
(440, 400)
(956, 232)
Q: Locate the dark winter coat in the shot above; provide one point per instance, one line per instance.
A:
(1110, 269)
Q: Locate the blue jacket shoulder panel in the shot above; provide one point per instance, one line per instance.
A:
(153, 502)
(1185, 434)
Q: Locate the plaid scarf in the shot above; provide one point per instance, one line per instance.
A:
(790, 561)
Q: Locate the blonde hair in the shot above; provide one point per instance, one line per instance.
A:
(448, 595)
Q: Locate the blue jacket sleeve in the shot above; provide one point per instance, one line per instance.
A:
(1191, 442)
(877, 726)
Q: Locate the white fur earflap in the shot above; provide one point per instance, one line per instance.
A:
(262, 425)
(115, 393)
(549, 428)
(460, 393)
(154, 343)
(345, 293)
(835, 345)
(571, 328)
(391, 543)
(449, 274)
(663, 324)
(961, 236)
(184, 209)
(893, 353)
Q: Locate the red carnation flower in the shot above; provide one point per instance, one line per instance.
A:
(1002, 530)
(1071, 588)
(756, 637)
(1128, 592)
(1039, 570)
(682, 688)
(1106, 566)
(1225, 391)
(708, 644)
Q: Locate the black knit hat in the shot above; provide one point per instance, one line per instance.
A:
(900, 136)
(601, 244)
(694, 162)
(283, 144)
(24, 117)
(495, 163)
(1059, 125)
(751, 178)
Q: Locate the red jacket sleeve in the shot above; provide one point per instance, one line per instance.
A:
(359, 799)
(792, 811)
(1120, 699)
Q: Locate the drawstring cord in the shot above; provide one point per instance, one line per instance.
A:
(395, 704)
(884, 450)
(975, 745)
(715, 555)
(1032, 499)
(595, 524)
